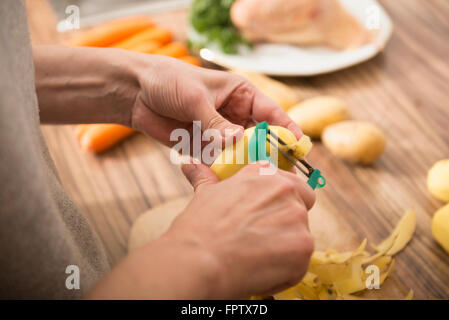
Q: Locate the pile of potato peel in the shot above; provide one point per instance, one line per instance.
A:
(343, 276)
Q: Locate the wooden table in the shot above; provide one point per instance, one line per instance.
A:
(405, 91)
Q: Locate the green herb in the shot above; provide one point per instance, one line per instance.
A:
(212, 19)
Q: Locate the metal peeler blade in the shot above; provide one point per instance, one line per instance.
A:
(314, 175)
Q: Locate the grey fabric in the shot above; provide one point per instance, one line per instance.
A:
(41, 230)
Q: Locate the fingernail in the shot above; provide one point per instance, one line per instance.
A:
(188, 167)
(232, 136)
(231, 132)
(264, 163)
(295, 129)
(188, 160)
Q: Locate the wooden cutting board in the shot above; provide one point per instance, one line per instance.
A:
(405, 91)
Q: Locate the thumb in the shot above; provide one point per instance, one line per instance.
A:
(199, 175)
(211, 119)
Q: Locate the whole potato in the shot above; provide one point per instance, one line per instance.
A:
(153, 223)
(440, 227)
(277, 91)
(438, 180)
(315, 114)
(355, 141)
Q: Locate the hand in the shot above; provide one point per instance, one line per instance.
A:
(173, 94)
(247, 235)
(255, 227)
(150, 93)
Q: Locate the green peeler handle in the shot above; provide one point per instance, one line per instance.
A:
(316, 180)
(257, 151)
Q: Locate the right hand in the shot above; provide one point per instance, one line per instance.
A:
(255, 227)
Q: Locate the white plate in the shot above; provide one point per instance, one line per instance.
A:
(287, 60)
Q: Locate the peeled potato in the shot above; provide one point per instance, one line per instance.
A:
(315, 114)
(355, 141)
(280, 93)
(440, 227)
(235, 157)
(438, 180)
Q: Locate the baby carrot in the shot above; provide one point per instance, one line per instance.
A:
(173, 49)
(80, 130)
(191, 60)
(146, 47)
(100, 137)
(111, 32)
(157, 34)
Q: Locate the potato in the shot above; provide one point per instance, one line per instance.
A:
(235, 157)
(438, 180)
(315, 114)
(440, 227)
(280, 93)
(355, 141)
(154, 222)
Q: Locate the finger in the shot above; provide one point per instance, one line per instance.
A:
(211, 119)
(276, 289)
(199, 175)
(256, 168)
(305, 192)
(265, 109)
(161, 128)
(153, 124)
(264, 168)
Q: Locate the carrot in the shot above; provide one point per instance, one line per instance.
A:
(100, 137)
(111, 32)
(191, 60)
(146, 47)
(157, 34)
(173, 49)
(80, 130)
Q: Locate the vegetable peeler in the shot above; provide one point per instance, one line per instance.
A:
(257, 151)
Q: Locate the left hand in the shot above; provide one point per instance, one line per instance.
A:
(173, 94)
(150, 93)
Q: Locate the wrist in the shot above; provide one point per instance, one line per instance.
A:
(163, 269)
(123, 84)
(196, 271)
(100, 86)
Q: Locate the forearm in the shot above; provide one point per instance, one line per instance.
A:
(163, 269)
(85, 85)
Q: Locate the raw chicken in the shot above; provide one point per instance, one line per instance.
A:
(299, 22)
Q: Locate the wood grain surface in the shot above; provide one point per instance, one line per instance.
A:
(404, 90)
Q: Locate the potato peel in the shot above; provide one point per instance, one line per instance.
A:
(403, 233)
(333, 256)
(288, 294)
(387, 273)
(355, 282)
(341, 276)
(409, 296)
(300, 148)
(383, 262)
